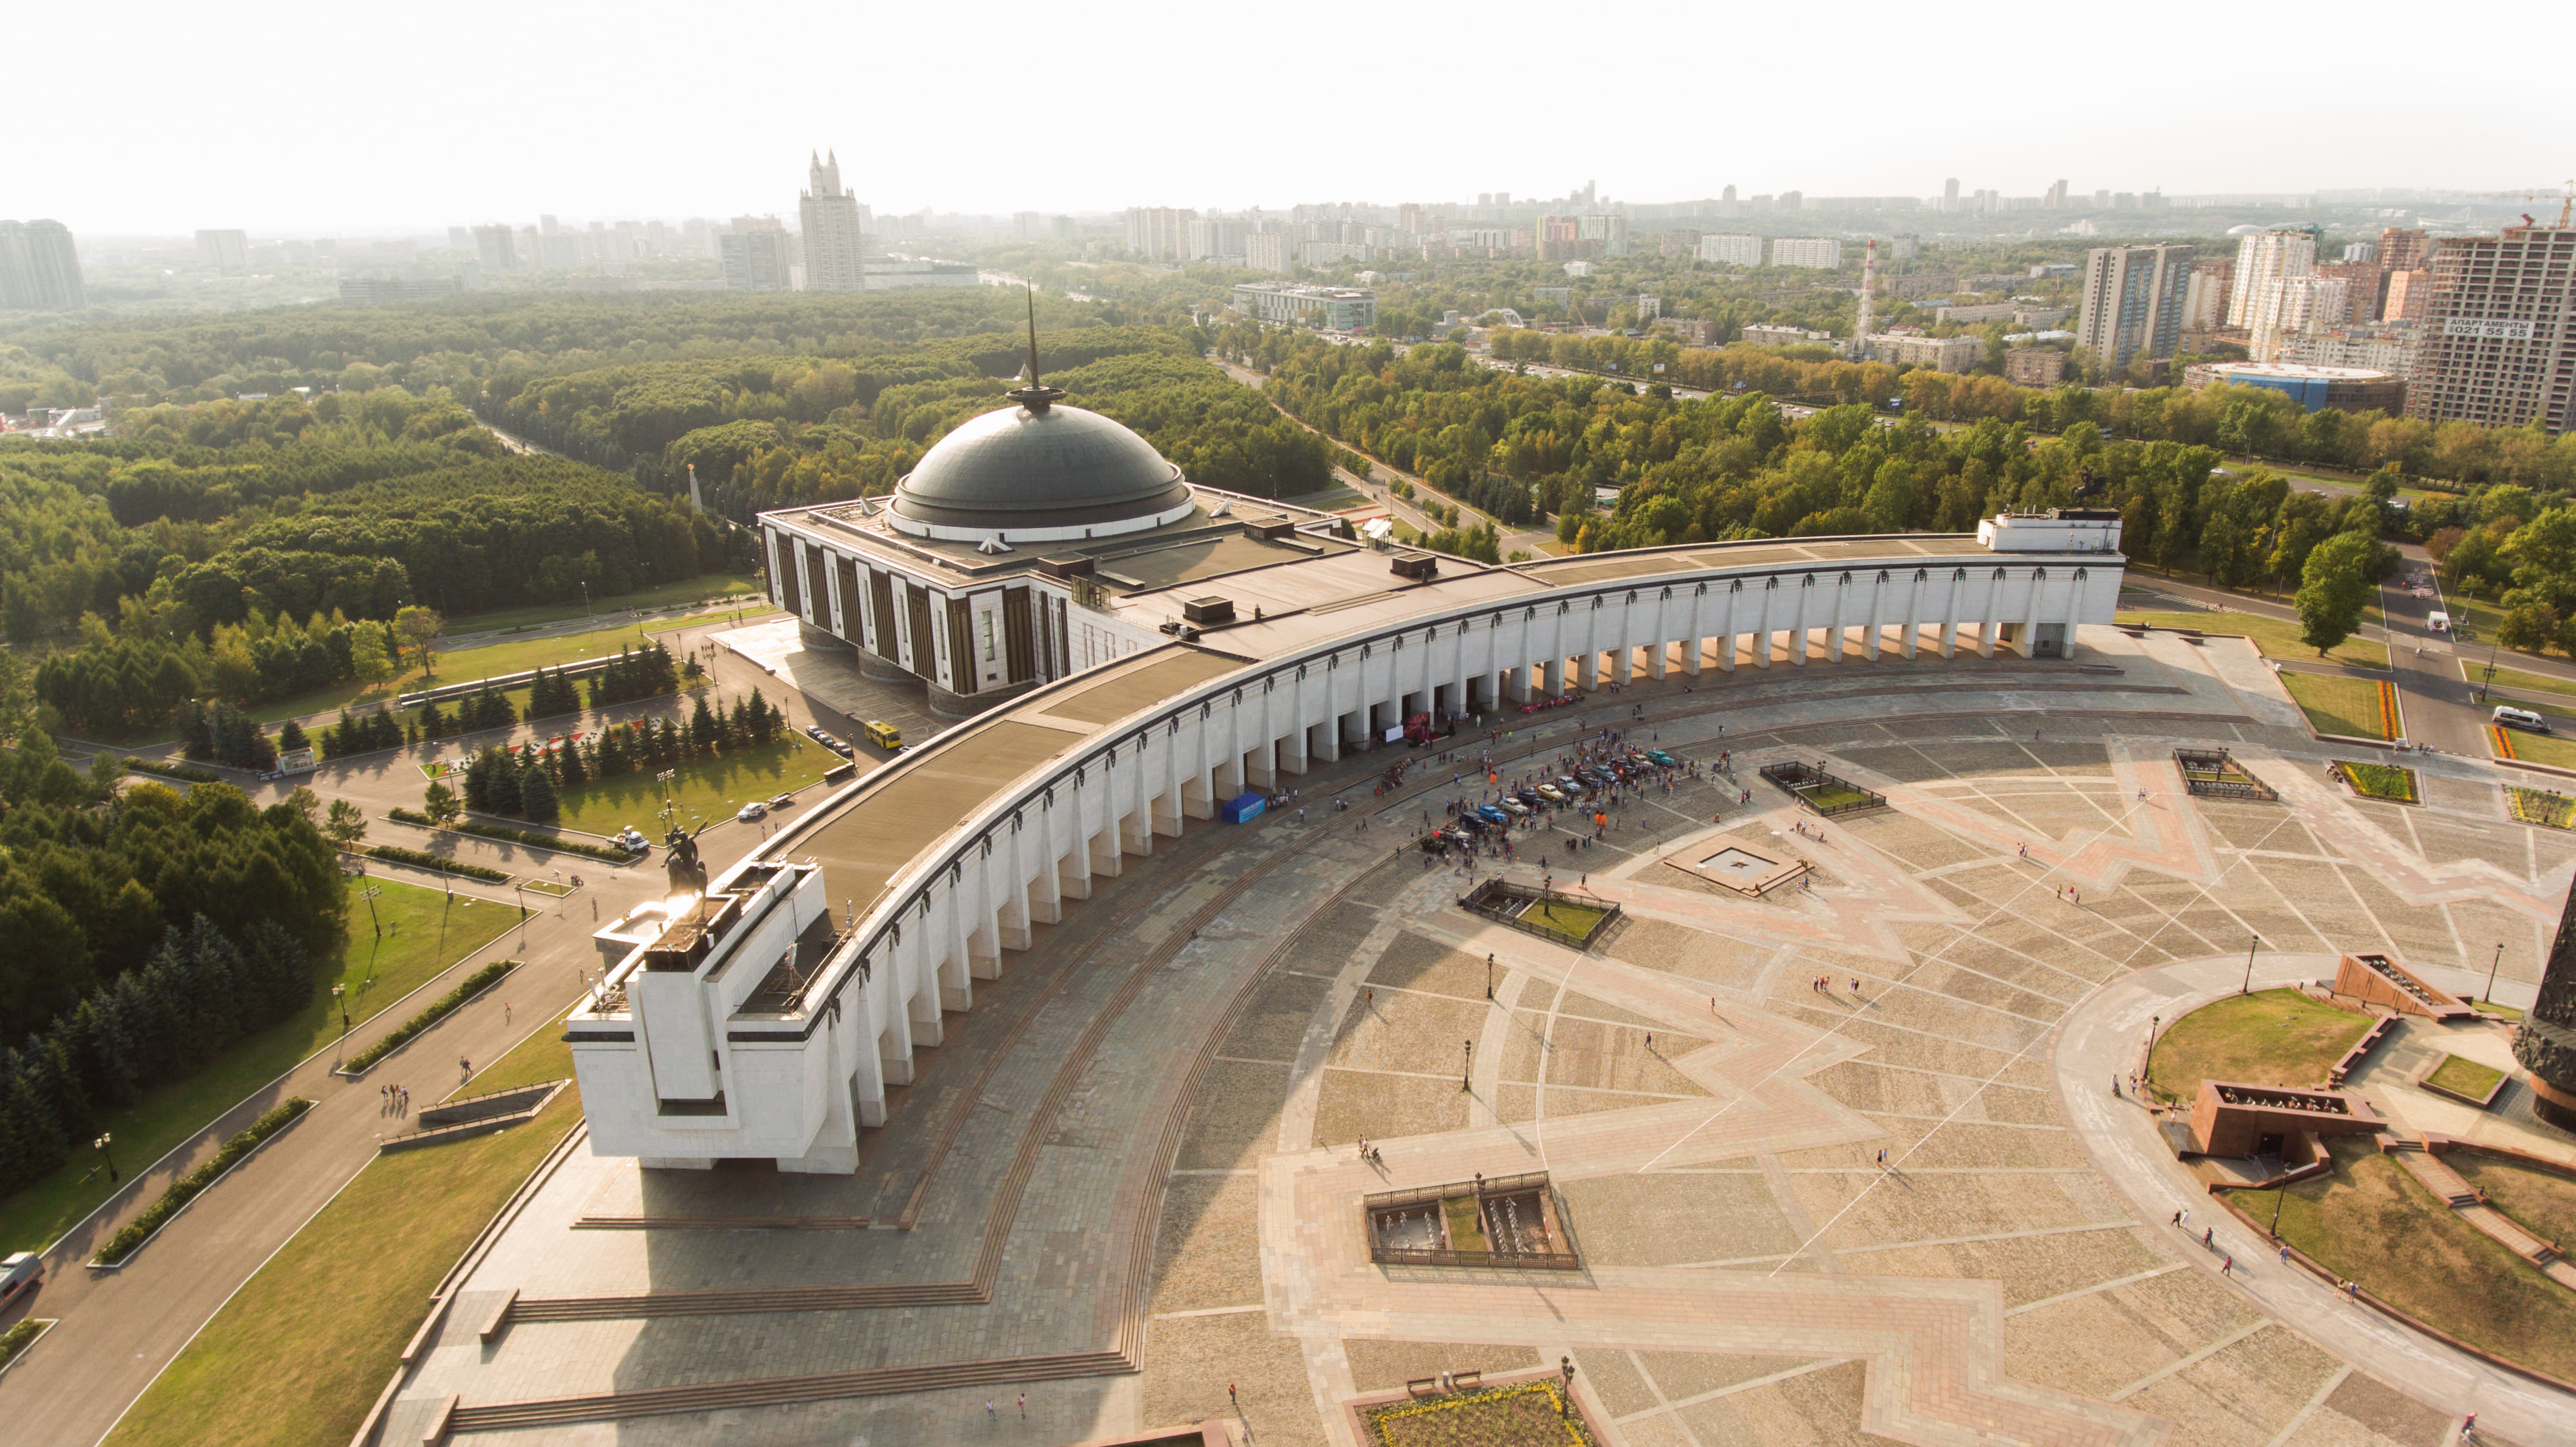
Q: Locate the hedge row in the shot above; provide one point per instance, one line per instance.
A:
(507, 835)
(189, 772)
(185, 1189)
(426, 860)
(445, 1006)
(15, 1339)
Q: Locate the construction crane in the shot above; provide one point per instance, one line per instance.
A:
(2566, 200)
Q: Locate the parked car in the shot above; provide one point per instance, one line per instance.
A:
(752, 812)
(781, 801)
(827, 741)
(1492, 814)
(1551, 793)
(2507, 716)
(1660, 758)
(1513, 807)
(19, 1273)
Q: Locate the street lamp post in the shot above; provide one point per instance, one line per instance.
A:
(369, 895)
(1467, 1070)
(340, 997)
(1489, 977)
(102, 1143)
(2278, 1192)
(2248, 987)
(1565, 1399)
(2492, 966)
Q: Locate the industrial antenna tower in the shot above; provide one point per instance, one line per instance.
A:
(1860, 348)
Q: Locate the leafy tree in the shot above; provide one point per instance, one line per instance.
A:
(2333, 591)
(440, 803)
(416, 626)
(346, 825)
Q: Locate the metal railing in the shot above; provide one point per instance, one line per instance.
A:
(1485, 899)
(1797, 780)
(2211, 772)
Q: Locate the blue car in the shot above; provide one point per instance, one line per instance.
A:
(1492, 814)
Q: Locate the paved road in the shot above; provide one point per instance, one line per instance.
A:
(2442, 709)
(1538, 543)
(117, 1330)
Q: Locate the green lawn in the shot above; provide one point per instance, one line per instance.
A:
(2464, 1077)
(2548, 749)
(1574, 922)
(298, 1356)
(2337, 705)
(687, 590)
(2544, 1204)
(2373, 1223)
(2276, 637)
(2475, 671)
(1833, 796)
(705, 789)
(2271, 1037)
(423, 936)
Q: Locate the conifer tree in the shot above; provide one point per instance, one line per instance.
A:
(537, 795)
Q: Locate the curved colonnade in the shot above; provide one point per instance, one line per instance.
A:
(768, 1018)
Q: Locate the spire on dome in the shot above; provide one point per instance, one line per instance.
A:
(1036, 396)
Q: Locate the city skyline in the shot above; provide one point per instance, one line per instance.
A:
(473, 130)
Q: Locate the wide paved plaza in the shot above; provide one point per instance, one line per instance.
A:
(1841, 1161)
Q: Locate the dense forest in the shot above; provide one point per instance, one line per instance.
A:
(144, 937)
(766, 432)
(1733, 466)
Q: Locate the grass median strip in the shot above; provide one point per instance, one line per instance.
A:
(298, 1355)
(446, 1005)
(2275, 637)
(400, 937)
(395, 853)
(134, 1233)
(502, 833)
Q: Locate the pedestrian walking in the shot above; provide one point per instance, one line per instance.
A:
(989, 1414)
(2227, 1266)
(2208, 1237)
(1024, 1406)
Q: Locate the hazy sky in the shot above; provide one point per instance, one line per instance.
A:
(344, 118)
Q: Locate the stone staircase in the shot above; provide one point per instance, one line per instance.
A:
(2438, 1177)
(780, 1391)
(450, 1416)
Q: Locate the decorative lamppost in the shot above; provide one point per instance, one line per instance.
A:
(2248, 987)
(101, 1144)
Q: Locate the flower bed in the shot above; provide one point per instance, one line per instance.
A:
(506, 835)
(446, 1005)
(131, 1236)
(2540, 806)
(189, 772)
(2380, 781)
(439, 862)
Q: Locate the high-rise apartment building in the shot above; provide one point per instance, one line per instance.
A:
(1820, 252)
(2262, 260)
(2500, 331)
(2403, 250)
(39, 269)
(1269, 251)
(1159, 233)
(2407, 293)
(2056, 199)
(1731, 250)
(831, 219)
(1950, 194)
(493, 248)
(225, 251)
(2204, 300)
(753, 255)
(1610, 231)
(2133, 302)
(2361, 251)
(2362, 281)
(2295, 305)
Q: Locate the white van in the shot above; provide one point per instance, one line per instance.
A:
(21, 1271)
(2509, 717)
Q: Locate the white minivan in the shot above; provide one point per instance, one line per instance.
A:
(2508, 717)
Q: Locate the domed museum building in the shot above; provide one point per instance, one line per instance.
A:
(993, 566)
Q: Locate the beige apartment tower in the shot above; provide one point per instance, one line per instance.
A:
(2133, 302)
(2500, 331)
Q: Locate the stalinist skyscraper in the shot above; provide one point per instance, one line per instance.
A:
(835, 226)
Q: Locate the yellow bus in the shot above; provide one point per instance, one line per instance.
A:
(882, 734)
